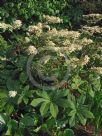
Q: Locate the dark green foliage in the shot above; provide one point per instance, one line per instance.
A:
(32, 10)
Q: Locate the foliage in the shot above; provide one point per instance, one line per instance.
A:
(28, 110)
(33, 10)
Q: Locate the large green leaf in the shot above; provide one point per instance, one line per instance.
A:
(45, 95)
(54, 109)
(44, 108)
(37, 101)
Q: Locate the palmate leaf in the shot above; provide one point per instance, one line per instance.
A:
(53, 110)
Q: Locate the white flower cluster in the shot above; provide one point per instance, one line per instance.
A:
(63, 33)
(61, 41)
(50, 43)
(69, 49)
(74, 62)
(92, 18)
(12, 93)
(86, 41)
(85, 60)
(31, 50)
(52, 19)
(53, 37)
(16, 25)
(92, 30)
(97, 69)
(79, 62)
(35, 29)
(5, 26)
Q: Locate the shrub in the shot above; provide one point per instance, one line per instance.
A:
(70, 97)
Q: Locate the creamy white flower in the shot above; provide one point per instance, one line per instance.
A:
(39, 25)
(31, 50)
(86, 41)
(51, 43)
(66, 42)
(12, 93)
(37, 30)
(52, 19)
(74, 62)
(63, 33)
(84, 60)
(17, 24)
(92, 18)
(97, 69)
(92, 29)
(5, 26)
